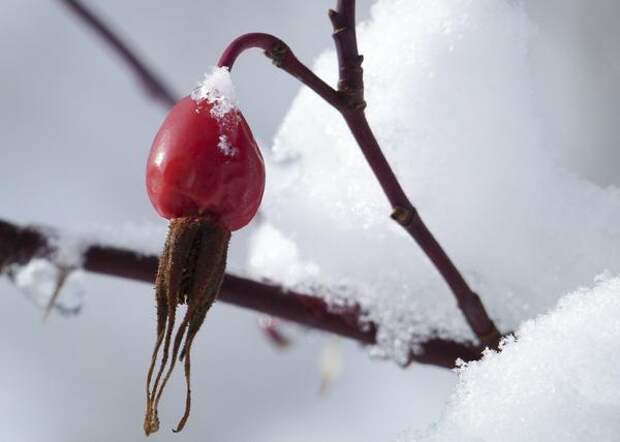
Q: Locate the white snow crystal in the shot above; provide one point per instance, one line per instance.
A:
(225, 147)
(67, 249)
(450, 97)
(559, 380)
(217, 88)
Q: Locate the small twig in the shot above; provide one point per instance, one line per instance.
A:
(20, 244)
(154, 85)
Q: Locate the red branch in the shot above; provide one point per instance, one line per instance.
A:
(20, 244)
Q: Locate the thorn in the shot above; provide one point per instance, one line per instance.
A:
(63, 274)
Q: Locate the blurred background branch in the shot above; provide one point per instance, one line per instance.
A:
(152, 83)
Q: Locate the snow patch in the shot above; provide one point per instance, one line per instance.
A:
(38, 281)
(558, 379)
(226, 147)
(67, 249)
(142, 237)
(218, 89)
(280, 258)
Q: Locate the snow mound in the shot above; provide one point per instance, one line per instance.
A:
(450, 97)
(559, 379)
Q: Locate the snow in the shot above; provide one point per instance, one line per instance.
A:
(146, 238)
(38, 281)
(67, 248)
(452, 101)
(217, 88)
(558, 379)
(279, 257)
(226, 147)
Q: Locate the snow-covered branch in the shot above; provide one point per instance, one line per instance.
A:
(18, 245)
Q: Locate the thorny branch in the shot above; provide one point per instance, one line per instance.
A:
(349, 101)
(18, 245)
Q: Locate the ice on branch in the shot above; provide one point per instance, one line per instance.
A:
(39, 280)
(141, 237)
(217, 88)
(451, 101)
(558, 380)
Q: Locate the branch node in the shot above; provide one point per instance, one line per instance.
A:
(277, 53)
(405, 216)
(333, 16)
(351, 99)
(491, 338)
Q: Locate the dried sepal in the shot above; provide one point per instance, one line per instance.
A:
(191, 271)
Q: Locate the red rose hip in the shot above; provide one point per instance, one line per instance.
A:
(206, 175)
(204, 164)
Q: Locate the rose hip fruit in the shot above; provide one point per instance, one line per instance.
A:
(206, 175)
(202, 165)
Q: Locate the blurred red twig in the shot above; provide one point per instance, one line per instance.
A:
(154, 85)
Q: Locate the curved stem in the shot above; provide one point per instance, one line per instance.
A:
(244, 42)
(281, 56)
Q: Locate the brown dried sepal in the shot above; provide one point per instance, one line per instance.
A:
(191, 270)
